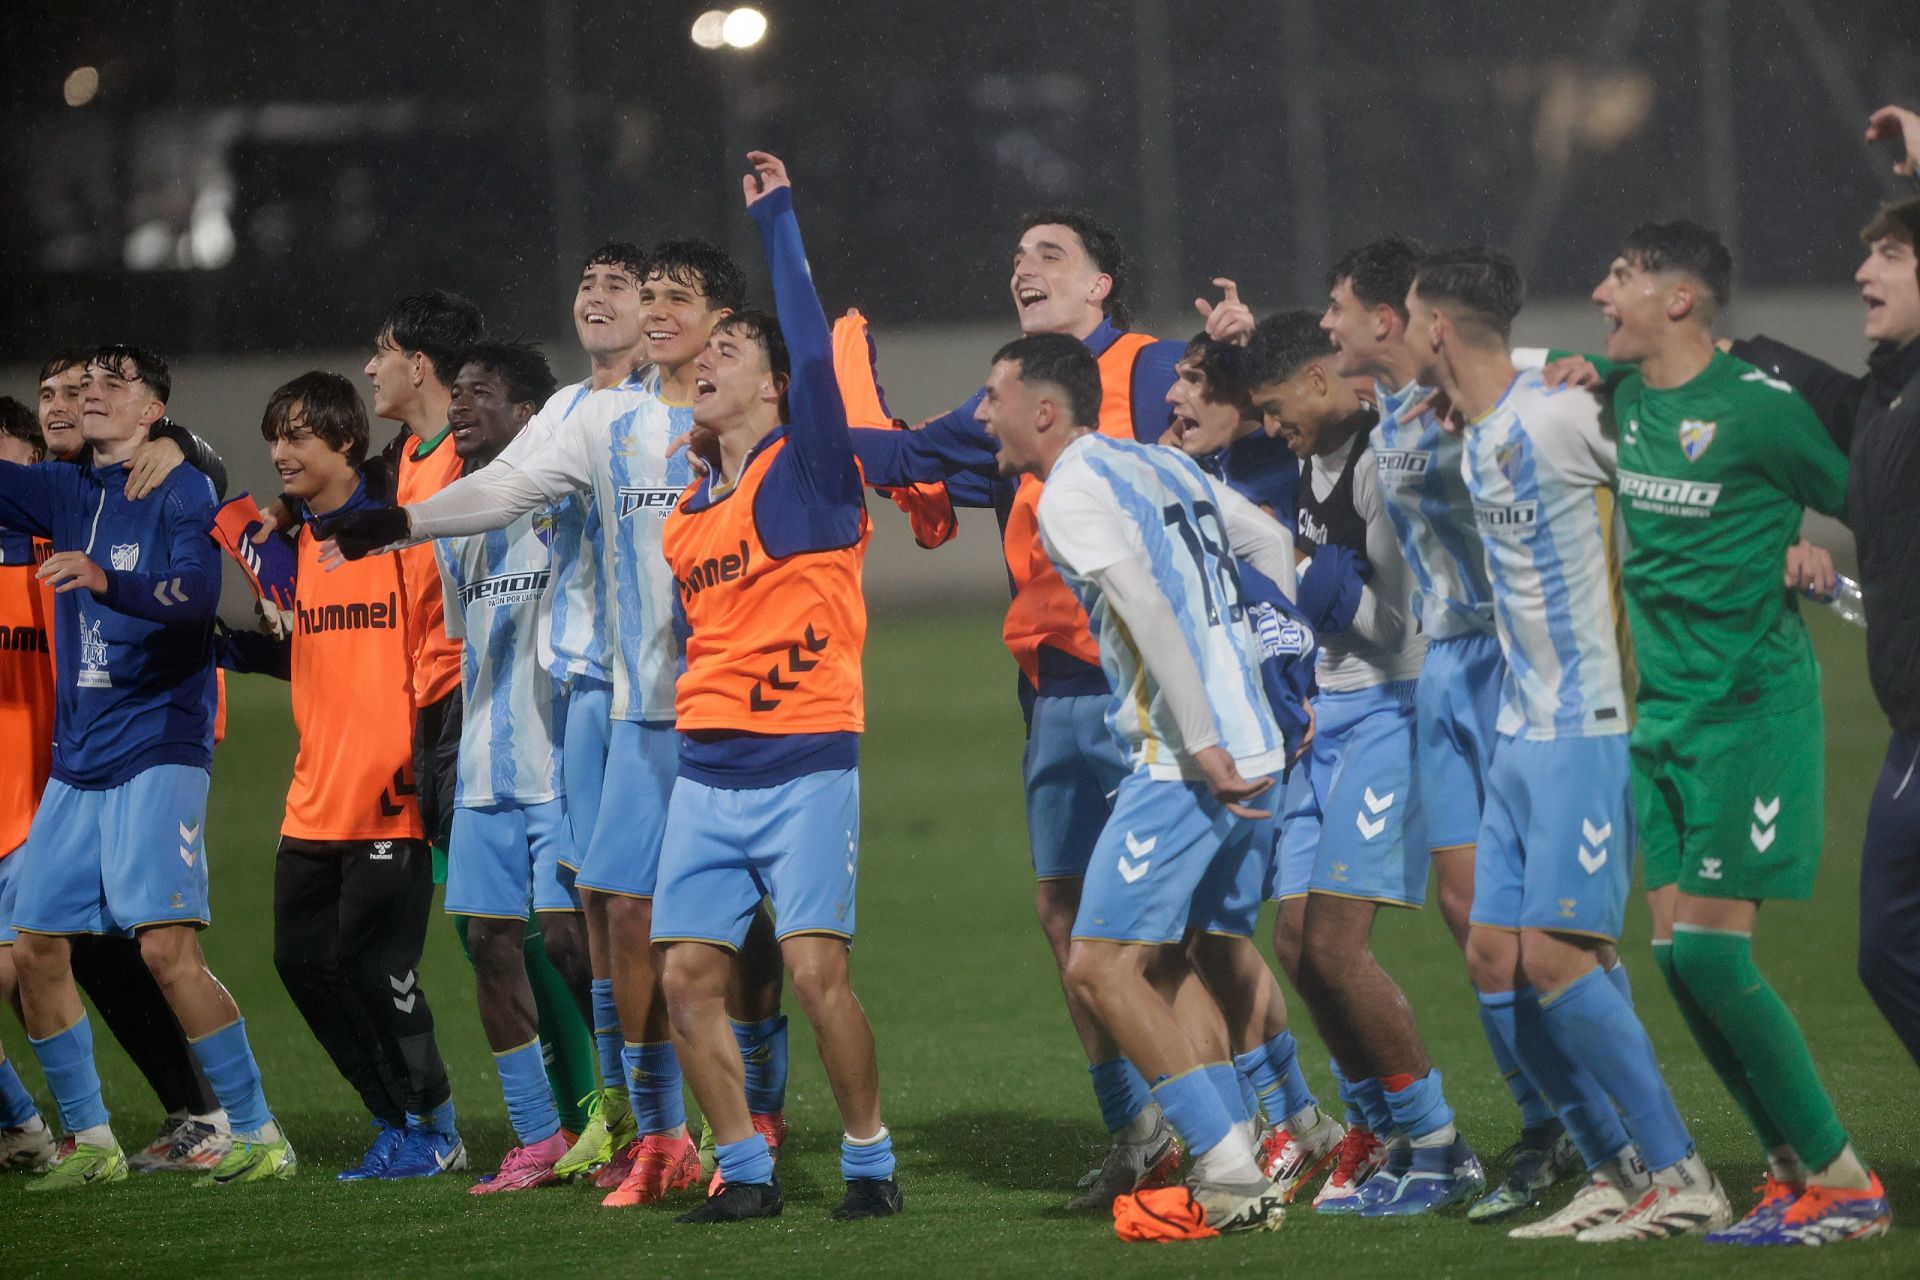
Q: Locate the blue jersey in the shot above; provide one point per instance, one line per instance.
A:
(134, 665)
(1540, 465)
(1432, 513)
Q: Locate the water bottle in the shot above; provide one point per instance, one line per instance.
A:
(1845, 600)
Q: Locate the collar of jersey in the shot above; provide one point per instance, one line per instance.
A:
(1504, 397)
(355, 500)
(706, 496)
(424, 446)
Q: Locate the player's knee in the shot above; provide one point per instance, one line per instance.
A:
(1286, 947)
(1493, 959)
(171, 955)
(630, 921)
(1456, 906)
(38, 958)
(496, 947)
(818, 980)
(1055, 903)
(566, 942)
(692, 975)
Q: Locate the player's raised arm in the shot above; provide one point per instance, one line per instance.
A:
(27, 498)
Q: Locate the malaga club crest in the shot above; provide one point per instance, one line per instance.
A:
(543, 528)
(1507, 457)
(125, 555)
(1695, 436)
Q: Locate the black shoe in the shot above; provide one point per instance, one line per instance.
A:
(738, 1201)
(869, 1198)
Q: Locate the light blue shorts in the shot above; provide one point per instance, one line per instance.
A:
(797, 844)
(1073, 765)
(1299, 840)
(1557, 842)
(9, 886)
(1361, 821)
(507, 857)
(624, 854)
(1229, 897)
(583, 757)
(1456, 705)
(1170, 855)
(117, 860)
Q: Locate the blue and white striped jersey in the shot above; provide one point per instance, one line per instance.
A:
(579, 634)
(1109, 500)
(1540, 465)
(497, 597)
(1432, 512)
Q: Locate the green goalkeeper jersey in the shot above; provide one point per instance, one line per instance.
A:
(1714, 475)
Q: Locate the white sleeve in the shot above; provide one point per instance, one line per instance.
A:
(1578, 441)
(1079, 526)
(456, 619)
(1530, 357)
(1257, 538)
(543, 464)
(1132, 594)
(1385, 614)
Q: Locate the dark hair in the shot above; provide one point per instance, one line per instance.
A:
(763, 330)
(330, 408)
(1104, 250)
(1893, 221)
(520, 365)
(1380, 272)
(1223, 366)
(147, 367)
(1063, 360)
(697, 264)
(437, 324)
(21, 423)
(618, 253)
(1283, 344)
(67, 358)
(1686, 247)
(1482, 282)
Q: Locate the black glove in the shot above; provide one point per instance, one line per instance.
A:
(362, 532)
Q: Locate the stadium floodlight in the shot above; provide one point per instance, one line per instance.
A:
(709, 29)
(81, 86)
(744, 28)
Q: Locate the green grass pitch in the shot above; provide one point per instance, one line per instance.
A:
(984, 1085)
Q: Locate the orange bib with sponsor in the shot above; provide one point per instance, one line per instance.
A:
(1044, 610)
(26, 696)
(775, 644)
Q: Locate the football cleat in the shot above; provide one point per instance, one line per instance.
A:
(1775, 1197)
(1128, 1167)
(615, 1171)
(207, 1145)
(29, 1147)
(1596, 1204)
(662, 1164)
(1831, 1215)
(1664, 1211)
(1436, 1178)
(424, 1154)
(525, 1167)
(252, 1161)
(737, 1202)
(609, 1128)
(1357, 1159)
(1534, 1163)
(1197, 1211)
(78, 1165)
(386, 1142)
(1293, 1160)
(869, 1198)
(771, 1125)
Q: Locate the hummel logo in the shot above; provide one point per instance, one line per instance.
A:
(1596, 857)
(1566, 907)
(1709, 868)
(1762, 831)
(1371, 827)
(382, 851)
(1132, 871)
(1340, 872)
(187, 855)
(404, 987)
(1378, 804)
(189, 834)
(169, 592)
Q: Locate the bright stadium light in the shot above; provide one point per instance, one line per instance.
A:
(744, 28)
(709, 29)
(84, 82)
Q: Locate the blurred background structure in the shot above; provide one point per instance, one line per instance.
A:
(244, 187)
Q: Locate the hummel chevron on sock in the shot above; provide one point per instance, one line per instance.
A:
(653, 1087)
(763, 1052)
(234, 1075)
(523, 1080)
(1588, 1019)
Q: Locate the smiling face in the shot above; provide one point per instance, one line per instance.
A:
(1360, 333)
(1056, 286)
(307, 465)
(1637, 305)
(60, 411)
(116, 407)
(1300, 408)
(606, 312)
(733, 382)
(483, 414)
(1891, 290)
(1200, 427)
(1016, 418)
(675, 320)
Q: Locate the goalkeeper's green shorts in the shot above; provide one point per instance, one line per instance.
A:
(1732, 808)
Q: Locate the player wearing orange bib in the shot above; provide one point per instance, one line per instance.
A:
(766, 552)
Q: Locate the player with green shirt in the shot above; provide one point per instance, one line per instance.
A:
(1717, 464)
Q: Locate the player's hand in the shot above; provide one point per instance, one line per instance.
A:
(1228, 320)
(1306, 739)
(769, 171)
(1810, 569)
(355, 534)
(1890, 124)
(1224, 780)
(1438, 403)
(700, 446)
(273, 520)
(71, 570)
(152, 463)
(1570, 371)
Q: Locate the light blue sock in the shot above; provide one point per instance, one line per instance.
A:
(1371, 1097)
(235, 1076)
(1274, 1070)
(439, 1120)
(1597, 1028)
(16, 1104)
(747, 1161)
(1583, 1106)
(872, 1158)
(1121, 1092)
(606, 1033)
(1350, 1099)
(1621, 982)
(1193, 1107)
(763, 1052)
(66, 1059)
(1496, 1020)
(523, 1079)
(1226, 1082)
(1249, 1096)
(653, 1087)
(1420, 1108)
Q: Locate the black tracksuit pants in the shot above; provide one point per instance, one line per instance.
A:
(109, 969)
(1890, 893)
